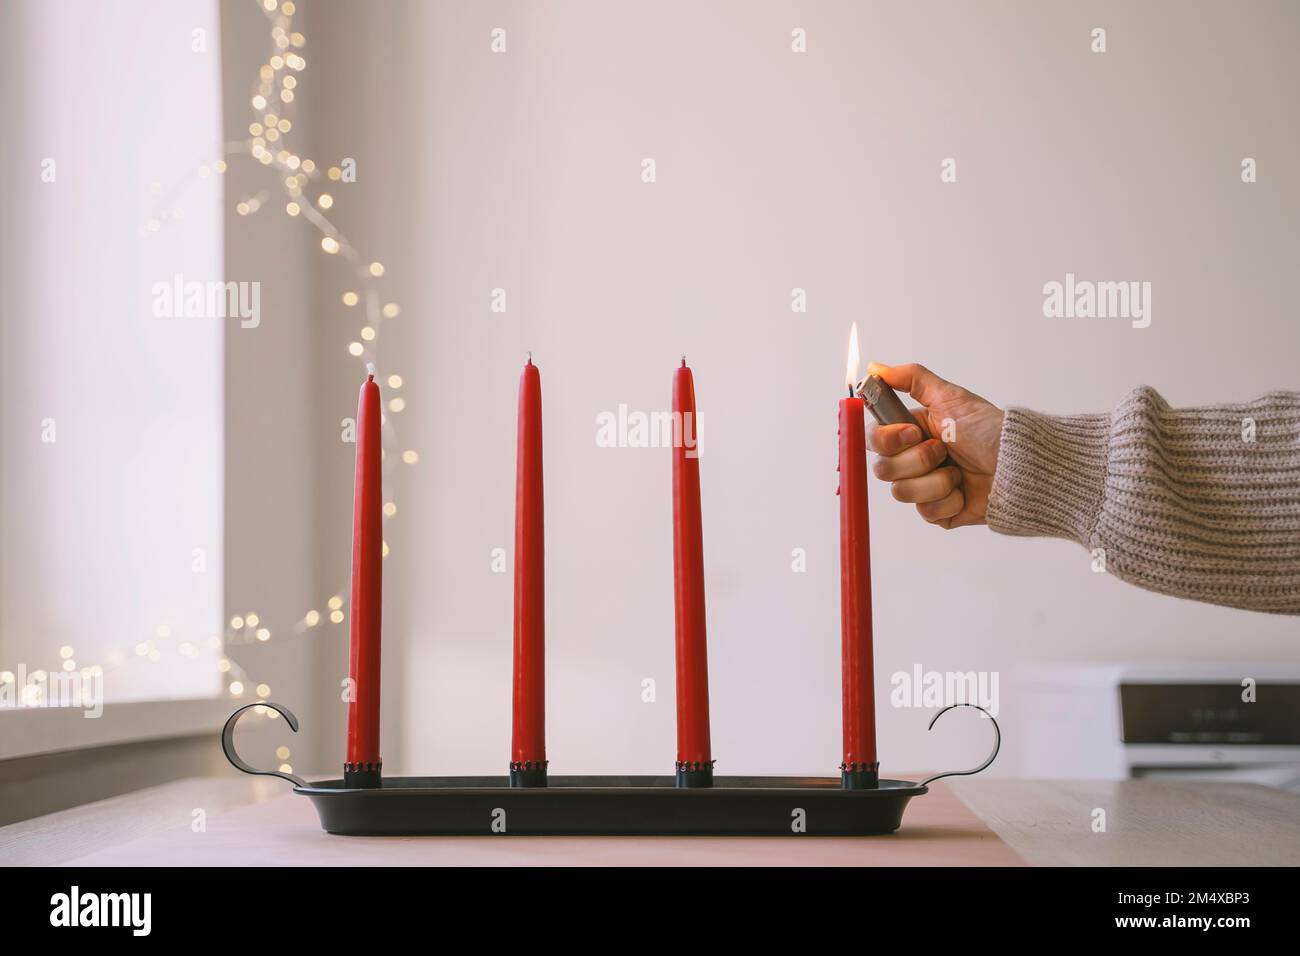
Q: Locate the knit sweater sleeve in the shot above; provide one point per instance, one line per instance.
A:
(1201, 503)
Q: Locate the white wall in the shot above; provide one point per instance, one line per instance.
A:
(778, 170)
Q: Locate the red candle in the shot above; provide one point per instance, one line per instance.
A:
(694, 757)
(528, 742)
(363, 765)
(860, 768)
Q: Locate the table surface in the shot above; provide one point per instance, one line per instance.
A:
(255, 822)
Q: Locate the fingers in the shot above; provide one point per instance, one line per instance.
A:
(917, 380)
(943, 510)
(892, 439)
(911, 462)
(931, 487)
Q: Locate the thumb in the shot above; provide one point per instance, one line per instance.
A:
(917, 380)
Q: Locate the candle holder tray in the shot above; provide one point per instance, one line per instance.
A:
(604, 805)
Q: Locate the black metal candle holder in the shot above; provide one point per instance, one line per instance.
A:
(606, 805)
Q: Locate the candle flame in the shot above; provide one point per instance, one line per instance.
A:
(855, 359)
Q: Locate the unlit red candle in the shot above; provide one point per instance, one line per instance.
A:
(693, 748)
(528, 739)
(363, 760)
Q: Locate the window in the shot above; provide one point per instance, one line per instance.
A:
(110, 417)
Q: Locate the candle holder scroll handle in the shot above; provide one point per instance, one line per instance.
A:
(997, 744)
(238, 762)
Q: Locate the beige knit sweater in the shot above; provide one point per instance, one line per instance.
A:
(1202, 503)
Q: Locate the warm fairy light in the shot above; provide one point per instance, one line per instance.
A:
(312, 618)
(236, 623)
(384, 551)
(324, 200)
(390, 509)
(308, 166)
(223, 665)
(251, 619)
(259, 103)
(263, 634)
(282, 752)
(330, 244)
(334, 173)
(292, 209)
(284, 767)
(391, 311)
(410, 457)
(219, 165)
(65, 651)
(269, 5)
(368, 333)
(236, 688)
(350, 299)
(141, 649)
(376, 269)
(356, 348)
(397, 405)
(69, 665)
(394, 381)
(336, 617)
(855, 360)
(242, 209)
(335, 603)
(264, 691)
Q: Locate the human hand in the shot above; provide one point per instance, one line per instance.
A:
(949, 482)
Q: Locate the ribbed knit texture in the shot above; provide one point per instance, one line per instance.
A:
(1178, 499)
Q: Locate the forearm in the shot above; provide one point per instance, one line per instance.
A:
(1179, 500)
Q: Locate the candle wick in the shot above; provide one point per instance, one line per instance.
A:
(530, 358)
(370, 370)
(683, 360)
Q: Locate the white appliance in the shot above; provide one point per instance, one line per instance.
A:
(1183, 721)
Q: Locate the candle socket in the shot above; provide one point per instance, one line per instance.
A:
(528, 773)
(695, 776)
(363, 776)
(860, 776)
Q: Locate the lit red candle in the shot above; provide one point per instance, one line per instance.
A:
(528, 739)
(694, 756)
(860, 769)
(362, 767)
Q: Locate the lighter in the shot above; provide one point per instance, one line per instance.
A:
(883, 402)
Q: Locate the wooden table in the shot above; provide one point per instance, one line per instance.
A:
(961, 822)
